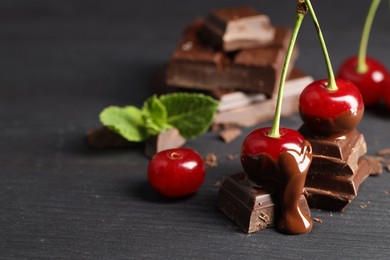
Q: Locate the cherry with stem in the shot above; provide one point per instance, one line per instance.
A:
(280, 157)
(365, 72)
(329, 107)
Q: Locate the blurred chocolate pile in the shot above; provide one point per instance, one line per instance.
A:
(236, 56)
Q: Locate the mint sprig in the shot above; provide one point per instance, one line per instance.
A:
(127, 121)
(192, 114)
(155, 116)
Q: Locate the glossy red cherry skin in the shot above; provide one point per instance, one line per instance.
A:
(176, 172)
(369, 83)
(328, 113)
(260, 152)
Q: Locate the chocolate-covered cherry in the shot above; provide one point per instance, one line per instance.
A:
(176, 172)
(370, 82)
(331, 112)
(260, 152)
(281, 163)
(366, 73)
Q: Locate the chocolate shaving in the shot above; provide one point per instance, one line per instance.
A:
(232, 157)
(230, 134)
(217, 184)
(383, 152)
(376, 164)
(318, 220)
(210, 160)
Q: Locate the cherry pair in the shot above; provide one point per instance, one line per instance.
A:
(282, 156)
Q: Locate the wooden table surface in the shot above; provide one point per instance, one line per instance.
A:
(63, 61)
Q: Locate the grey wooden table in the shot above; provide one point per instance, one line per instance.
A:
(61, 62)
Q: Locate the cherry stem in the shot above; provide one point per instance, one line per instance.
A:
(362, 65)
(332, 86)
(274, 132)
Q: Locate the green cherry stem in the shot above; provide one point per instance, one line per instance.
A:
(332, 86)
(362, 65)
(301, 11)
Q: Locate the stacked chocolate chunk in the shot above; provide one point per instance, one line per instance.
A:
(337, 169)
(237, 56)
(251, 206)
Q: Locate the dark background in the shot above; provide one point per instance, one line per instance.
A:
(61, 62)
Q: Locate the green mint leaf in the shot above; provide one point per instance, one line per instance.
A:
(155, 115)
(126, 121)
(192, 114)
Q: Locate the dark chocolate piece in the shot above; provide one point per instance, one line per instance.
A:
(237, 28)
(335, 192)
(252, 207)
(336, 156)
(194, 65)
(102, 138)
(229, 134)
(338, 147)
(165, 140)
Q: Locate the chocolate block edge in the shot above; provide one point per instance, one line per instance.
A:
(240, 200)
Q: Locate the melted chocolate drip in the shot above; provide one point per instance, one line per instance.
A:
(287, 175)
(293, 168)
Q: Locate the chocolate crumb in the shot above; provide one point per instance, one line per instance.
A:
(318, 220)
(211, 160)
(383, 152)
(217, 184)
(229, 134)
(232, 157)
(264, 217)
(376, 164)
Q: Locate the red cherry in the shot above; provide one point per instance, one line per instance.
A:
(176, 172)
(327, 112)
(258, 148)
(258, 142)
(370, 83)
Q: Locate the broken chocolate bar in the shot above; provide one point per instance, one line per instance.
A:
(335, 193)
(246, 110)
(336, 156)
(237, 28)
(195, 65)
(350, 144)
(252, 207)
(102, 138)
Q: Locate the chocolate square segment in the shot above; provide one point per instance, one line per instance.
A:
(336, 155)
(198, 66)
(251, 206)
(233, 29)
(335, 193)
